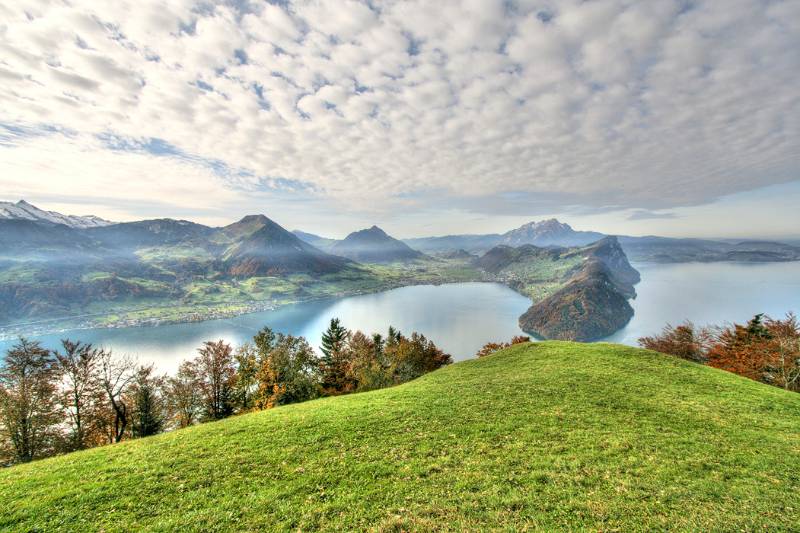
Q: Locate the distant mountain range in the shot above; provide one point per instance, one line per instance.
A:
(370, 245)
(642, 249)
(22, 210)
(56, 267)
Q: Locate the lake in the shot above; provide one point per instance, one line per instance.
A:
(459, 318)
(709, 293)
(462, 317)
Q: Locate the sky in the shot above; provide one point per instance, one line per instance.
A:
(670, 117)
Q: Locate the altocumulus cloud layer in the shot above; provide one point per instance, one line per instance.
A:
(605, 104)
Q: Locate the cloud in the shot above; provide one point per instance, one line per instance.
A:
(610, 104)
(642, 214)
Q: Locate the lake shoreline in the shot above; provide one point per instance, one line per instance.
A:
(208, 315)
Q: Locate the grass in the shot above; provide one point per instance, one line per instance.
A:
(543, 436)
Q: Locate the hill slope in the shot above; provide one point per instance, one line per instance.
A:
(543, 436)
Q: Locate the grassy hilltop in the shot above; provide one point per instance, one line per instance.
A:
(545, 436)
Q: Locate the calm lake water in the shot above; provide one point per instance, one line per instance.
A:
(462, 317)
(459, 318)
(710, 293)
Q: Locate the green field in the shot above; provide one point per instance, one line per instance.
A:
(542, 437)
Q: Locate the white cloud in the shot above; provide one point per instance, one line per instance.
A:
(609, 103)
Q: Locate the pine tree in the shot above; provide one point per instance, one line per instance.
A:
(334, 371)
(148, 413)
(333, 341)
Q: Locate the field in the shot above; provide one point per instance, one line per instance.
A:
(542, 436)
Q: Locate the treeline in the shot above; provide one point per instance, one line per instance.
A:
(81, 396)
(764, 349)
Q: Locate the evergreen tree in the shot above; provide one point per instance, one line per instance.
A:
(148, 412)
(334, 358)
(756, 328)
(333, 341)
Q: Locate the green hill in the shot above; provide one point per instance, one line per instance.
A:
(543, 436)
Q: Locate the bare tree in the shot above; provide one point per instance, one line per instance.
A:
(785, 336)
(77, 365)
(114, 376)
(28, 410)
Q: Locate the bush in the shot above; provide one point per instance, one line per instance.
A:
(491, 347)
(685, 341)
(764, 349)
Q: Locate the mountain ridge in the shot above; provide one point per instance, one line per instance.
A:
(22, 210)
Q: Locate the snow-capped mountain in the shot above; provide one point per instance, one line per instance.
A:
(22, 210)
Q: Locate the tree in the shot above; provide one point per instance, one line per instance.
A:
(369, 369)
(246, 385)
(763, 349)
(785, 363)
(216, 375)
(333, 340)
(335, 360)
(743, 350)
(289, 370)
(77, 366)
(685, 341)
(491, 347)
(147, 403)
(184, 402)
(28, 400)
(413, 357)
(114, 376)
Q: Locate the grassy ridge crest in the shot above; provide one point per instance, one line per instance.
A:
(542, 436)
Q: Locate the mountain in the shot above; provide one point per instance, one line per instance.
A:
(22, 210)
(579, 293)
(453, 243)
(261, 247)
(549, 233)
(40, 239)
(323, 243)
(502, 257)
(594, 302)
(157, 232)
(550, 436)
(373, 245)
(674, 250)
(640, 249)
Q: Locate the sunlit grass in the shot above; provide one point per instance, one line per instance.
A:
(542, 436)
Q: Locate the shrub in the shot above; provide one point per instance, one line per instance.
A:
(685, 341)
(491, 347)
